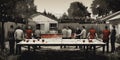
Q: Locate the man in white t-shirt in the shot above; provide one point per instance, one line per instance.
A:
(83, 32)
(37, 33)
(64, 33)
(19, 35)
(69, 33)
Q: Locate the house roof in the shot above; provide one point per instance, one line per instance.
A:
(39, 18)
(113, 16)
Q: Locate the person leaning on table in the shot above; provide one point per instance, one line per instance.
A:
(105, 38)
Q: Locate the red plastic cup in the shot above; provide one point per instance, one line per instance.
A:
(90, 40)
(83, 40)
(43, 40)
(33, 40)
(27, 41)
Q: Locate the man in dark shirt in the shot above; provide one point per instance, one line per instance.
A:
(11, 39)
(78, 31)
(113, 39)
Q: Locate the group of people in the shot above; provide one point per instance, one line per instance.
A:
(18, 34)
(107, 35)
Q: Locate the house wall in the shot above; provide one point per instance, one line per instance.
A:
(115, 22)
(40, 19)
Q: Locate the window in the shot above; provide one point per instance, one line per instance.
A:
(53, 26)
(41, 26)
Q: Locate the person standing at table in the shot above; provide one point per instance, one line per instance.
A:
(77, 32)
(37, 33)
(11, 39)
(83, 33)
(69, 33)
(105, 38)
(77, 36)
(29, 33)
(113, 39)
(19, 34)
(64, 34)
(92, 33)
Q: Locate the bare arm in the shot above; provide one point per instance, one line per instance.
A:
(96, 35)
(88, 35)
(15, 35)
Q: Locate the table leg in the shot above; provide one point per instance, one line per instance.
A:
(94, 49)
(28, 48)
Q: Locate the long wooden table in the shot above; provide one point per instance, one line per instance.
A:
(60, 42)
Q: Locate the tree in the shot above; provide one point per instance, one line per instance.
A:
(77, 9)
(25, 8)
(114, 5)
(103, 7)
(17, 8)
(50, 15)
(64, 16)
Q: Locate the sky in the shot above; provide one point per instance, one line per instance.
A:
(58, 7)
